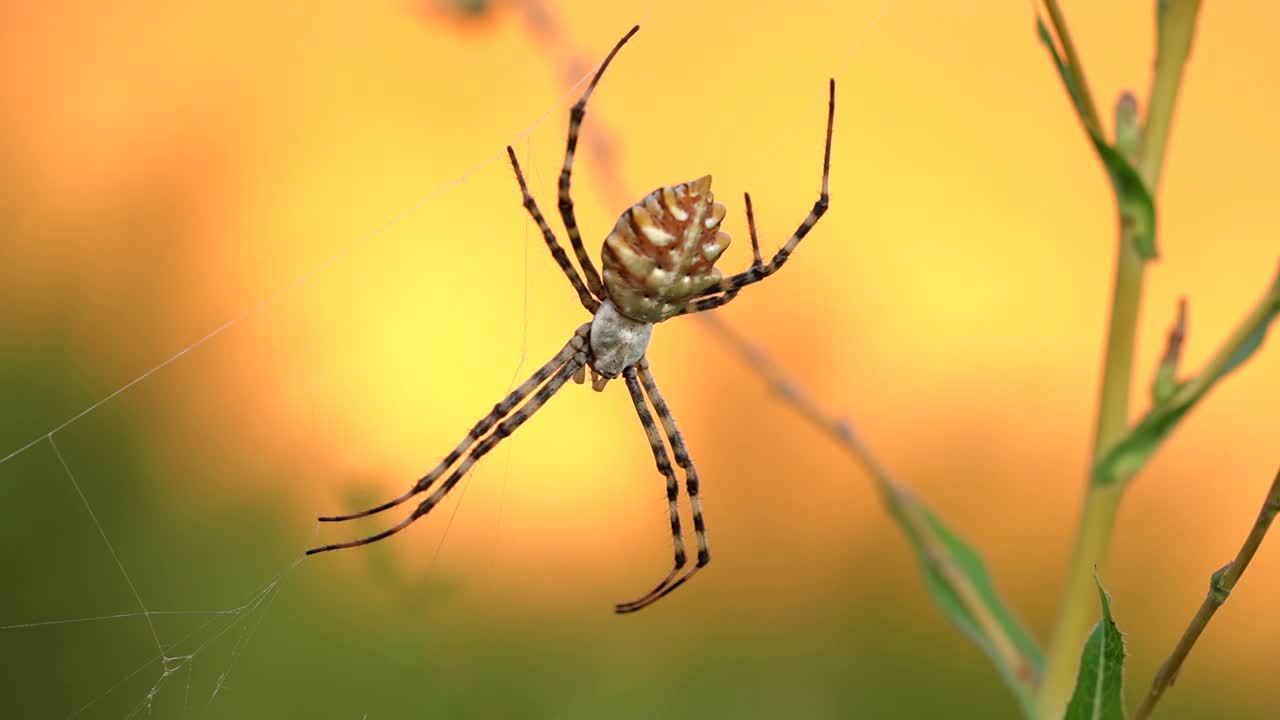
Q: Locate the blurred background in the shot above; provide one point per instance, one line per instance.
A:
(324, 185)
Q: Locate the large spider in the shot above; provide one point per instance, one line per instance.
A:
(659, 262)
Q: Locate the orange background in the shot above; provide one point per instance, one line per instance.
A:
(336, 170)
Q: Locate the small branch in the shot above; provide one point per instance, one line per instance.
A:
(1228, 354)
(1165, 382)
(1177, 337)
(1220, 586)
(795, 396)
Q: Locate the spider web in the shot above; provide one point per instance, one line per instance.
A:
(89, 470)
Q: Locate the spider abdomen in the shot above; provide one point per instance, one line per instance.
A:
(663, 250)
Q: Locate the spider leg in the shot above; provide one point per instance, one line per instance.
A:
(731, 285)
(578, 345)
(664, 466)
(757, 262)
(505, 428)
(499, 411)
(571, 146)
(691, 487)
(562, 259)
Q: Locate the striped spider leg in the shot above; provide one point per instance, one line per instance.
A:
(550, 377)
(657, 263)
(729, 287)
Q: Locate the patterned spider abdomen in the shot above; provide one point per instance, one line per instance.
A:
(663, 250)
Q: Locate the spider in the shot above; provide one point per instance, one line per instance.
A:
(659, 263)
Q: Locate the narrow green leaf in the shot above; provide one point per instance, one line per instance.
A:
(1134, 200)
(1136, 448)
(1060, 63)
(1252, 344)
(1099, 691)
(957, 578)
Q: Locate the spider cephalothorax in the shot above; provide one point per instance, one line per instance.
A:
(659, 262)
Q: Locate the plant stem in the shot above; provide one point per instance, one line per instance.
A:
(1176, 29)
(1078, 614)
(1117, 369)
(1220, 586)
(1173, 47)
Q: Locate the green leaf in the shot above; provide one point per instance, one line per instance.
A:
(1251, 344)
(957, 578)
(1077, 99)
(1136, 448)
(1137, 208)
(1134, 200)
(1099, 691)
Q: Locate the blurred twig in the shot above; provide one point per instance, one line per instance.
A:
(1220, 586)
(897, 498)
(794, 395)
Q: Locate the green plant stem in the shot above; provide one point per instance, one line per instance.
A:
(1220, 586)
(1175, 33)
(1173, 47)
(1117, 369)
(1076, 614)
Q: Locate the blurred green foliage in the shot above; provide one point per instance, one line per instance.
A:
(389, 644)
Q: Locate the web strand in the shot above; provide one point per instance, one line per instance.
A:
(861, 37)
(111, 548)
(178, 662)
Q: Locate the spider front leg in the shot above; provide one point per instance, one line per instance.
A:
(671, 581)
(571, 145)
(562, 259)
(730, 286)
(757, 263)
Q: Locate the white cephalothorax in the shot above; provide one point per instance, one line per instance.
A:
(659, 262)
(617, 342)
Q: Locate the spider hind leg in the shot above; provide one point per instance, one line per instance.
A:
(551, 376)
(636, 377)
